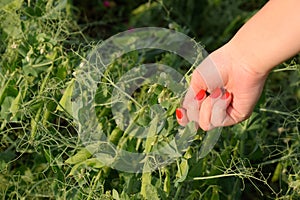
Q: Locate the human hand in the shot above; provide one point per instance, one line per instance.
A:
(223, 91)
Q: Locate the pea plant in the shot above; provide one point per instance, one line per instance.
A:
(42, 155)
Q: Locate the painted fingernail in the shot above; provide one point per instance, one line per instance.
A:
(216, 93)
(226, 95)
(179, 114)
(200, 95)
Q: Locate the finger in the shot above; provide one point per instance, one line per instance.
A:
(219, 109)
(188, 98)
(206, 76)
(191, 106)
(181, 116)
(197, 82)
(194, 105)
(208, 112)
(234, 116)
(205, 113)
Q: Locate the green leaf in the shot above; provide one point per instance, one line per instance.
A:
(53, 12)
(9, 5)
(208, 143)
(106, 158)
(15, 104)
(62, 70)
(215, 194)
(148, 191)
(5, 108)
(151, 137)
(28, 176)
(144, 7)
(28, 69)
(3, 88)
(7, 156)
(115, 194)
(168, 148)
(4, 182)
(182, 171)
(11, 24)
(65, 103)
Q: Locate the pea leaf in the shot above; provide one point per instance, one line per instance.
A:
(115, 194)
(5, 108)
(65, 103)
(182, 171)
(15, 104)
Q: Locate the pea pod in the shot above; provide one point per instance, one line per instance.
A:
(115, 135)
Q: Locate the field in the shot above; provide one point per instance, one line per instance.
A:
(44, 151)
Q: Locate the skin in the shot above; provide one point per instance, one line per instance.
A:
(270, 37)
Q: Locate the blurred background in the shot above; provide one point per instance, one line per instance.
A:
(213, 22)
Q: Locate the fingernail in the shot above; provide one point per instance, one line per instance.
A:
(200, 95)
(216, 93)
(226, 95)
(179, 114)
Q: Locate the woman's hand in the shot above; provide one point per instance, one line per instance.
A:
(223, 91)
(241, 66)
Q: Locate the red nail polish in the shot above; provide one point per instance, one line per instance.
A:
(200, 95)
(226, 95)
(179, 114)
(216, 93)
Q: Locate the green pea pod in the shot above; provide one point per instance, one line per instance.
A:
(80, 156)
(115, 135)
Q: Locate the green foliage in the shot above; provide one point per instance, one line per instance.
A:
(42, 157)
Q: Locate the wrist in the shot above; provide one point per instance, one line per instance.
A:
(247, 58)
